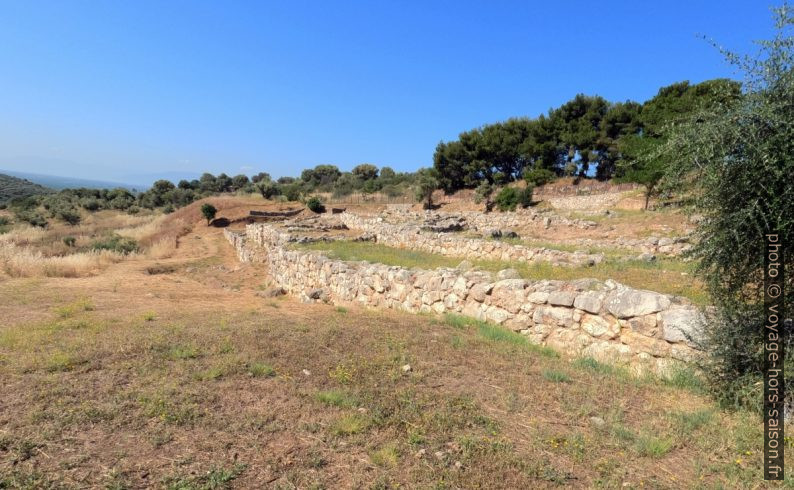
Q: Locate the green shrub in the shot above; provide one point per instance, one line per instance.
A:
(507, 199)
(483, 192)
(3, 221)
(32, 218)
(525, 196)
(315, 205)
(539, 176)
(69, 241)
(510, 197)
(116, 243)
(208, 211)
(69, 215)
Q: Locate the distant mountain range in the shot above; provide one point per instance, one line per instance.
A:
(59, 182)
(13, 187)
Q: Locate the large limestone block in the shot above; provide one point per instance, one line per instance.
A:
(590, 301)
(599, 327)
(562, 298)
(480, 291)
(641, 343)
(681, 324)
(626, 302)
(553, 315)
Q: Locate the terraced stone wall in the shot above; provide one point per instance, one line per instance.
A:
(605, 320)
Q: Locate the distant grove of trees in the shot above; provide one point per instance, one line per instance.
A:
(67, 204)
(586, 136)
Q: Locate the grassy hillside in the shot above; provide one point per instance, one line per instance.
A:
(13, 187)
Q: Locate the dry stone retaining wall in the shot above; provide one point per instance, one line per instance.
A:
(523, 220)
(605, 320)
(411, 237)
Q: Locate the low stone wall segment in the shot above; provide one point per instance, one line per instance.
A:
(604, 320)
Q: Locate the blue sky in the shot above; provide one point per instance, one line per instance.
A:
(110, 90)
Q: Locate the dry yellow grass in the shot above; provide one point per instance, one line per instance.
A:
(27, 251)
(27, 262)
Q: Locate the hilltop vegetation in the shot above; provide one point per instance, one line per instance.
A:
(14, 188)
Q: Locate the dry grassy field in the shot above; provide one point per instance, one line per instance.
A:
(165, 369)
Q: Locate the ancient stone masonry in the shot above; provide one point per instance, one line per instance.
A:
(524, 221)
(411, 236)
(605, 320)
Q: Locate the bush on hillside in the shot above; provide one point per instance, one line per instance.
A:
(509, 198)
(116, 243)
(315, 205)
(208, 211)
(539, 176)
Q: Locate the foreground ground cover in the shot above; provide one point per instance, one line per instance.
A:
(174, 374)
(670, 276)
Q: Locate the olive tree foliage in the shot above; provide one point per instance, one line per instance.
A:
(426, 183)
(736, 158)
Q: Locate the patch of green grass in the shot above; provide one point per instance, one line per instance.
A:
(685, 377)
(688, 422)
(381, 254)
(216, 478)
(349, 425)
(459, 321)
(341, 309)
(261, 370)
(497, 334)
(556, 376)
(336, 398)
(668, 275)
(149, 316)
(62, 361)
(71, 309)
(169, 410)
(652, 446)
(183, 352)
(388, 456)
(594, 366)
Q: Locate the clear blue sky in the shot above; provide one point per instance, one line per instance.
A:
(109, 89)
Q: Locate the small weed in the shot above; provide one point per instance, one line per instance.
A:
(685, 377)
(342, 373)
(336, 398)
(149, 316)
(215, 478)
(388, 456)
(261, 370)
(459, 321)
(652, 446)
(169, 411)
(211, 374)
(68, 311)
(341, 309)
(349, 424)
(415, 438)
(183, 352)
(62, 361)
(556, 376)
(689, 422)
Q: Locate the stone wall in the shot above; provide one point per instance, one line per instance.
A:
(524, 220)
(605, 320)
(411, 236)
